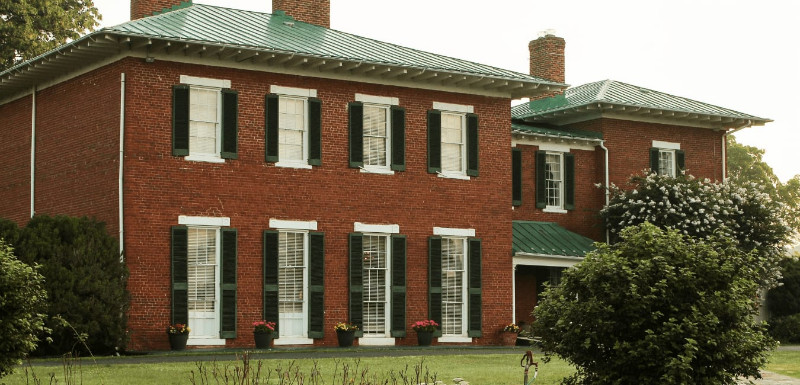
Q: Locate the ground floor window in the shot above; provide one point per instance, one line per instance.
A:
(453, 287)
(292, 283)
(375, 275)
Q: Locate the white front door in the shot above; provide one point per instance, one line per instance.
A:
(203, 268)
(292, 293)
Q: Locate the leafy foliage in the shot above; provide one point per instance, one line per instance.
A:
(784, 300)
(32, 27)
(84, 279)
(22, 304)
(657, 307)
(703, 209)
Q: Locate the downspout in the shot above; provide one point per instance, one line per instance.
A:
(607, 185)
(33, 149)
(725, 146)
(121, 158)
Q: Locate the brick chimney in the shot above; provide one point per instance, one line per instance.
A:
(144, 8)
(547, 57)
(309, 11)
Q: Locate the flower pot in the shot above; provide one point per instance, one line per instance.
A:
(508, 338)
(263, 340)
(424, 338)
(178, 341)
(345, 337)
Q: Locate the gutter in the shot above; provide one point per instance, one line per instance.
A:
(33, 150)
(121, 159)
(607, 185)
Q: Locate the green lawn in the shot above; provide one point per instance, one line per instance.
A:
(497, 369)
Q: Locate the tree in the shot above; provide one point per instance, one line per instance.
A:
(657, 307)
(32, 27)
(22, 304)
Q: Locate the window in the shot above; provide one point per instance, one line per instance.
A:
(293, 127)
(554, 178)
(375, 285)
(453, 141)
(453, 288)
(667, 158)
(377, 134)
(205, 119)
(555, 181)
(666, 162)
(291, 287)
(202, 268)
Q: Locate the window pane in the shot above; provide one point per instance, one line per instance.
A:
(290, 272)
(452, 142)
(666, 163)
(374, 284)
(375, 135)
(203, 121)
(452, 286)
(291, 125)
(202, 264)
(553, 179)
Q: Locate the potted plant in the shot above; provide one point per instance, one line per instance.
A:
(345, 333)
(509, 334)
(178, 335)
(425, 330)
(262, 333)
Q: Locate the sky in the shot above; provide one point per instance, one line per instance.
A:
(738, 54)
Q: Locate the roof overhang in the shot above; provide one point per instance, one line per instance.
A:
(528, 259)
(102, 45)
(599, 110)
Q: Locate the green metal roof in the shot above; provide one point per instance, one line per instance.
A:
(210, 32)
(538, 130)
(622, 99)
(547, 238)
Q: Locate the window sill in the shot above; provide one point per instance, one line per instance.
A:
(453, 176)
(201, 158)
(376, 341)
(554, 210)
(454, 339)
(376, 170)
(298, 165)
(293, 341)
(205, 342)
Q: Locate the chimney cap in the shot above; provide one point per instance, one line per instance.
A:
(547, 32)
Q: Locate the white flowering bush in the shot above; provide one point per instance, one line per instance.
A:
(701, 208)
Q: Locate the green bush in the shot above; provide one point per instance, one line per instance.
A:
(784, 300)
(785, 329)
(657, 307)
(22, 304)
(85, 281)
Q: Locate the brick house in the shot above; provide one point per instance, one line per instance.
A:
(264, 166)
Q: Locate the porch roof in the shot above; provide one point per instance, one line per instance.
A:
(548, 238)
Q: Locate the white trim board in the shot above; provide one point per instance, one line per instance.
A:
(204, 221)
(205, 82)
(367, 228)
(666, 145)
(453, 107)
(293, 91)
(453, 232)
(292, 225)
(364, 98)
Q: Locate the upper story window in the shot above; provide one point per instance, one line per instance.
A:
(666, 158)
(293, 127)
(376, 134)
(204, 119)
(453, 141)
(555, 180)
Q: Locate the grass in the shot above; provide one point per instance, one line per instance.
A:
(498, 369)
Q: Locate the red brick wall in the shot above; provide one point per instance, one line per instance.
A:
(309, 11)
(77, 147)
(15, 171)
(160, 187)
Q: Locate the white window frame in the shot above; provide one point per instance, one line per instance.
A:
(200, 83)
(296, 94)
(461, 110)
(385, 230)
(559, 209)
(672, 162)
(464, 336)
(667, 148)
(385, 103)
(387, 290)
(304, 340)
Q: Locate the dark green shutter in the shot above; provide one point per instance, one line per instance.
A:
(472, 145)
(271, 278)
(316, 285)
(435, 280)
(271, 128)
(569, 181)
(474, 288)
(434, 141)
(398, 115)
(228, 305)
(356, 123)
(180, 120)
(516, 177)
(680, 162)
(180, 274)
(314, 132)
(398, 327)
(654, 159)
(356, 280)
(541, 191)
(230, 122)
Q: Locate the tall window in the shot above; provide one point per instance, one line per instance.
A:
(204, 121)
(453, 138)
(453, 287)
(666, 162)
(554, 179)
(292, 129)
(202, 269)
(374, 279)
(291, 287)
(376, 138)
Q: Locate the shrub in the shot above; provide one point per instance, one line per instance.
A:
(22, 305)
(785, 329)
(784, 300)
(85, 280)
(657, 307)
